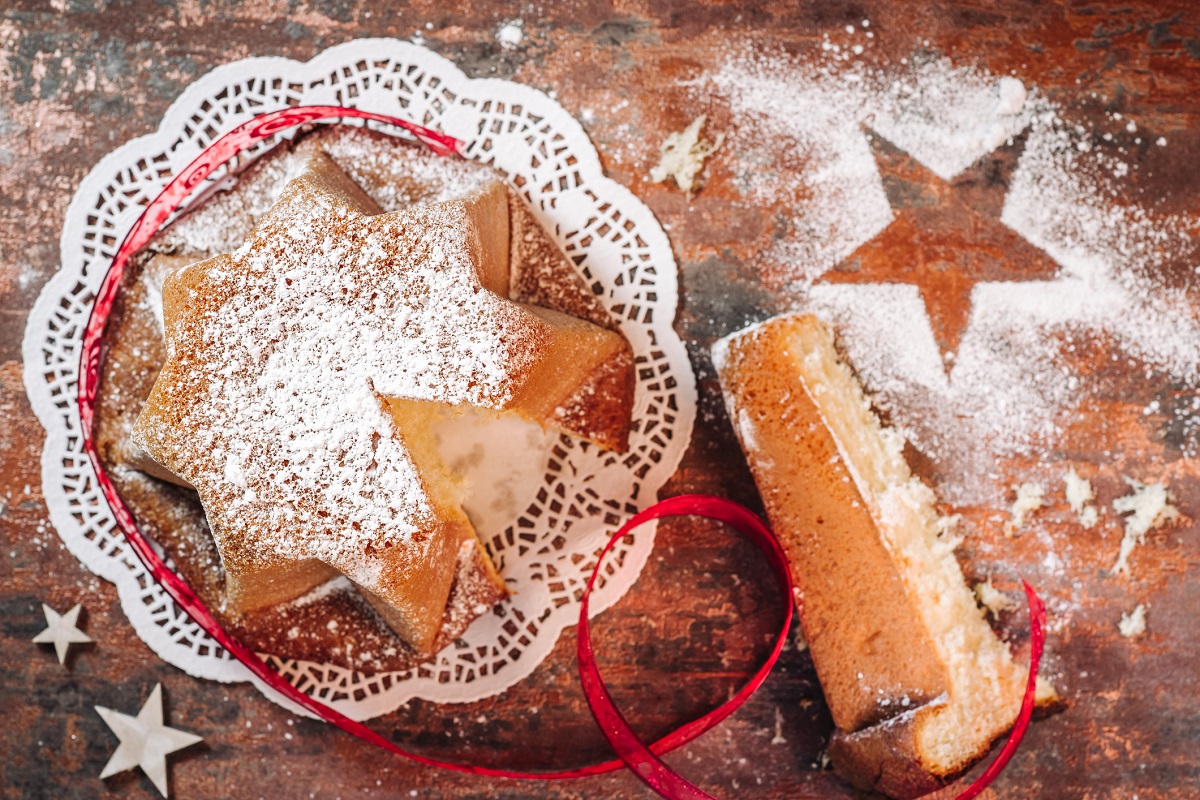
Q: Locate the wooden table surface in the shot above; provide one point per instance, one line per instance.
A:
(80, 77)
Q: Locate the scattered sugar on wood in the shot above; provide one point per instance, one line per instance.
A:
(511, 34)
(1012, 96)
(1149, 506)
(797, 641)
(1014, 384)
(684, 154)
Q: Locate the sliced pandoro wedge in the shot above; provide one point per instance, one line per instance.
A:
(918, 684)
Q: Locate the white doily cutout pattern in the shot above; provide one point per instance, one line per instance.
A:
(548, 552)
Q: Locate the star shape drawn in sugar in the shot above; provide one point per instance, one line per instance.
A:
(302, 367)
(62, 631)
(946, 237)
(144, 741)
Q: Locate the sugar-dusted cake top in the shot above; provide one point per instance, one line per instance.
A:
(393, 174)
(280, 356)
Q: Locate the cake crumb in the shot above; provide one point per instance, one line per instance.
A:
(1012, 95)
(1030, 497)
(511, 34)
(1044, 693)
(1080, 497)
(778, 737)
(992, 598)
(683, 155)
(797, 641)
(1148, 506)
(1133, 624)
(949, 531)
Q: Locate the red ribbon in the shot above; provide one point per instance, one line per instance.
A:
(642, 759)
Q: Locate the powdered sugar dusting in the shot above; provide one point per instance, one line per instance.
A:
(393, 176)
(221, 223)
(510, 35)
(396, 177)
(301, 333)
(1011, 384)
(1061, 200)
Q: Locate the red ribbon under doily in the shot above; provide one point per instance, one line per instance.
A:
(631, 751)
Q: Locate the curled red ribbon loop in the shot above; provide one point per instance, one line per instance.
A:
(631, 751)
(641, 759)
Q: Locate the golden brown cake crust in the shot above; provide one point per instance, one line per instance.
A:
(595, 409)
(541, 274)
(885, 758)
(878, 661)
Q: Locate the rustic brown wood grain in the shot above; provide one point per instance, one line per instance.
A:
(80, 77)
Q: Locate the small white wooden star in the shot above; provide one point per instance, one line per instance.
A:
(145, 741)
(62, 632)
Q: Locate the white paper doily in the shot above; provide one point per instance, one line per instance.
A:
(546, 553)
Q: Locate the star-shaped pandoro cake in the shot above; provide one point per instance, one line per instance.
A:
(302, 370)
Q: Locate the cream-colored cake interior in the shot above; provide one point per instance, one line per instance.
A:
(415, 421)
(985, 686)
(418, 423)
